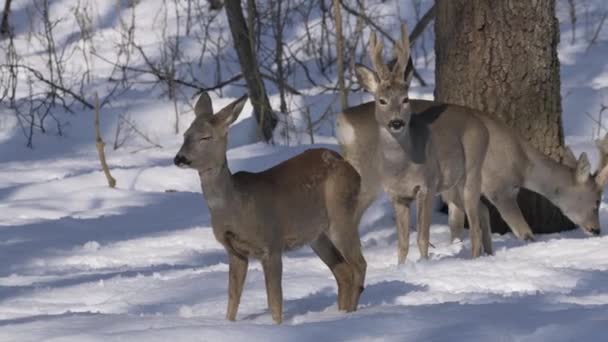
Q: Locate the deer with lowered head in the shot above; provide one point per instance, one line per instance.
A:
(420, 156)
(510, 164)
(307, 199)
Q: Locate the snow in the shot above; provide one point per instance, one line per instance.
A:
(81, 262)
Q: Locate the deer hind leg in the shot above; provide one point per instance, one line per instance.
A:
(342, 271)
(455, 221)
(455, 214)
(344, 234)
(349, 246)
(341, 199)
(510, 212)
(237, 272)
(273, 271)
(472, 200)
(486, 229)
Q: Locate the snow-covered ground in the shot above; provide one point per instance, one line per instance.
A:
(81, 262)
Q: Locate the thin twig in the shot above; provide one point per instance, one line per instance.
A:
(41, 78)
(100, 147)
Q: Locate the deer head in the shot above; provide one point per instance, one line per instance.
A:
(389, 86)
(581, 201)
(204, 146)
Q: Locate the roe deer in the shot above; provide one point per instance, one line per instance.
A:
(422, 155)
(307, 199)
(510, 164)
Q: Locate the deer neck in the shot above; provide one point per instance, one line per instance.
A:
(395, 150)
(544, 175)
(401, 170)
(408, 148)
(218, 187)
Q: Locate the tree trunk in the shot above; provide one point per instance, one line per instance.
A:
(4, 26)
(501, 57)
(215, 5)
(247, 58)
(340, 55)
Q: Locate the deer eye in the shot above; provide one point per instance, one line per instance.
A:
(204, 138)
(405, 100)
(383, 101)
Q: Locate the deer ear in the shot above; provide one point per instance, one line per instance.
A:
(569, 159)
(602, 177)
(203, 106)
(582, 168)
(367, 78)
(231, 112)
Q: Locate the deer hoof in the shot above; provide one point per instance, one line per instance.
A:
(528, 237)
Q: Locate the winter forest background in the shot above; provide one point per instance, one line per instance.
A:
(80, 261)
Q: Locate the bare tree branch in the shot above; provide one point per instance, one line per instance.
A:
(53, 85)
(100, 147)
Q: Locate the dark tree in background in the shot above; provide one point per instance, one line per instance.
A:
(244, 45)
(501, 57)
(4, 25)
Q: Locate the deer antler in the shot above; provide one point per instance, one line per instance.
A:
(375, 53)
(401, 51)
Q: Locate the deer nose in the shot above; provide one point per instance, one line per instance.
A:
(594, 231)
(180, 160)
(396, 125)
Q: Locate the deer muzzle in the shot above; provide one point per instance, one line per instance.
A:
(181, 161)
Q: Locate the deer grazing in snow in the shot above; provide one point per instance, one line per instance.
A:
(419, 155)
(307, 199)
(510, 164)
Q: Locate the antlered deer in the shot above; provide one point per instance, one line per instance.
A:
(421, 155)
(307, 199)
(510, 164)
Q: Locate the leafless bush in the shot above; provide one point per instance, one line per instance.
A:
(294, 63)
(127, 130)
(598, 120)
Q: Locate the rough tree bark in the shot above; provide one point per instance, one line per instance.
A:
(247, 58)
(4, 26)
(501, 57)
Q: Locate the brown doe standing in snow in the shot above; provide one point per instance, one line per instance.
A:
(510, 164)
(307, 199)
(422, 155)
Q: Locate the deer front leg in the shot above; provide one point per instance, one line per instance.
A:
(486, 229)
(402, 215)
(471, 205)
(424, 204)
(455, 221)
(273, 272)
(237, 271)
(510, 212)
